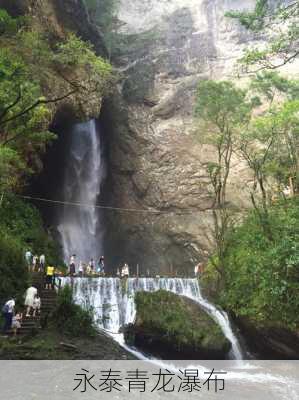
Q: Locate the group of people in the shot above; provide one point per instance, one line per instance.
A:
(82, 269)
(35, 263)
(12, 318)
(92, 268)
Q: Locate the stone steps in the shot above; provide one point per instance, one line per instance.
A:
(48, 302)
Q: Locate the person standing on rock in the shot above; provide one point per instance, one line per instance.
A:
(31, 292)
(8, 310)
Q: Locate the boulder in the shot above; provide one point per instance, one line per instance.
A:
(269, 341)
(175, 327)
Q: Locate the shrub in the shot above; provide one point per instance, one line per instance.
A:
(13, 271)
(23, 221)
(70, 318)
(261, 276)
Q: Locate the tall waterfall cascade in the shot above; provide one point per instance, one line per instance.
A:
(114, 306)
(79, 225)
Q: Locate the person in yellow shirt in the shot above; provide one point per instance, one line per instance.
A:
(49, 277)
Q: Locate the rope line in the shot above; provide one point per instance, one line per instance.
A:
(133, 210)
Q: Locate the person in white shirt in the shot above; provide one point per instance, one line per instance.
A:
(42, 262)
(8, 310)
(125, 271)
(31, 293)
(81, 269)
(34, 263)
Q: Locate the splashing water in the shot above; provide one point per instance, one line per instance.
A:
(80, 227)
(114, 308)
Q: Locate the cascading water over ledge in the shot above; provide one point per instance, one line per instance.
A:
(114, 306)
(80, 226)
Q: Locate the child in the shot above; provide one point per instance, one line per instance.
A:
(16, 323)
(36, 305)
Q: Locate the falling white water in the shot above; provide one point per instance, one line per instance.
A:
(80, 227)
(114, 306)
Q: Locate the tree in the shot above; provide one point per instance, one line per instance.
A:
(281, 25)
(271, 86)
(29, 63)
(262, 276)
(282, 120)
(223, 109)
(103, 13)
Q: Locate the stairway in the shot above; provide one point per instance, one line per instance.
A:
(31, 324)
(48, 300)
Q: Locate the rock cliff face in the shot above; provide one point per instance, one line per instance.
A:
(156, 159)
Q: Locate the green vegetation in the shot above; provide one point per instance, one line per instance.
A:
(29, 64)
(262, 276)
(34, 63)
(51, 344)
(222, 110)
(280, 25)
(177, 322)
(70, 318)
(21, 228)
(255, 19)
(23, 221)
(103, 13)
(254, 271)
(12, 267)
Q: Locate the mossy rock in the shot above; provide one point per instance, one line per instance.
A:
(175, 327)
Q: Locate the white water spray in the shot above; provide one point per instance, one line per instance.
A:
(114, 308)
(80, 227)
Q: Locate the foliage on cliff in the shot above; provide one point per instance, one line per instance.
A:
(12, 267)
(258, 261)
(280, 24)
(179, 323)
(39, 71)
(31, 64)
(21, 228)
(70, 318)
(103, 12)
(262, 276)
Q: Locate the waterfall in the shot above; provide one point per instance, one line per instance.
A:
(114, 306)
(79, 226)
